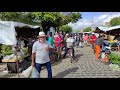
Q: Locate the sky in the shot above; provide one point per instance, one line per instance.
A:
(94, 19)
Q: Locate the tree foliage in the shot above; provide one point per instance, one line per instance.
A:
(47, 19)
(65, 28)
(87, 29)
(115, 21)
(77, 31)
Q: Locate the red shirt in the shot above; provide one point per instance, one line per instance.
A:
(93, 38)
(57, 42)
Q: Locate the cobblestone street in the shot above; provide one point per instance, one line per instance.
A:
(86, 67)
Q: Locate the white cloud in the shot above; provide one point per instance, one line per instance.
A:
(102, 16)
(95, 22)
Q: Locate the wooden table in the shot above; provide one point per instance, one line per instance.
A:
(12, 63)
(15, 60)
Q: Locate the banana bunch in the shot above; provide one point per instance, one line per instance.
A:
(24, 50)
(6, 50)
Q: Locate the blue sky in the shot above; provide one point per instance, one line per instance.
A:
(89, 15)
(94, 19)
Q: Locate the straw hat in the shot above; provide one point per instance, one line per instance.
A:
(42, 34)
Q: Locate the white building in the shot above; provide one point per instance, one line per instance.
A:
(51, 31)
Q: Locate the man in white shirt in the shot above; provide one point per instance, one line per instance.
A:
(70, 42)
(40, 54)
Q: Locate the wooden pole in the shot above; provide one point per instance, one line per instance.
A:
(17, 63)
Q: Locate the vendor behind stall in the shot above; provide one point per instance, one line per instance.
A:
(30, 44)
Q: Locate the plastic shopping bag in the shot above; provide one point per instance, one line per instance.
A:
(26, 73)
(102, 55)
(80, 44)
(34, 73)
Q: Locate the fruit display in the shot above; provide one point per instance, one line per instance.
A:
(6, 50)
(24, 51)
(12, 56)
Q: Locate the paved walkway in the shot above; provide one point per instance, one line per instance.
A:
(86, 67)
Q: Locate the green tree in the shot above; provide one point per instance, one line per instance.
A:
(24, 17)
(55, 19)
(65, 28)
(47, 19)
(71, 17)
(87, 29)
(115, 21)
(78, 31)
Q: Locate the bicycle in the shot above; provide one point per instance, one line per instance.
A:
(57, 52)
(71, 55)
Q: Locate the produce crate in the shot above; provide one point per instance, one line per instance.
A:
(12, 67)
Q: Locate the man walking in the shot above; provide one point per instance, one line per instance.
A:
(98, 45)
(40, 54)
(93, 39)
(58, 44)
(69, 42)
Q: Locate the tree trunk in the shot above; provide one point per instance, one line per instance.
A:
(46, 27)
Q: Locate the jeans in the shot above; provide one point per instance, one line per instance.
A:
(66, 50)
(48, 66)
(118, 43)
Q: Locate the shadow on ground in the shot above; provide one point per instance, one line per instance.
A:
(79, 55)
(64, 73)
(57, 62)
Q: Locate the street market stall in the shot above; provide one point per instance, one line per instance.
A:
(9, 31)
(110, 32)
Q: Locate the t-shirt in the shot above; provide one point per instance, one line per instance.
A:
(99, 41)
(70, 42)
(57, 40)
(85, 37)
(42, 56)
(50, 40)
(62, 36)
(93, 39)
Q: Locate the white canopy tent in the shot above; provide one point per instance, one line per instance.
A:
(8, 34)
(109, 30)
(7, 31)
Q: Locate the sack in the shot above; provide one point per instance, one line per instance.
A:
(31, 72)
(26, 73)
(80, 44)
(102, 55)
(34, 73)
